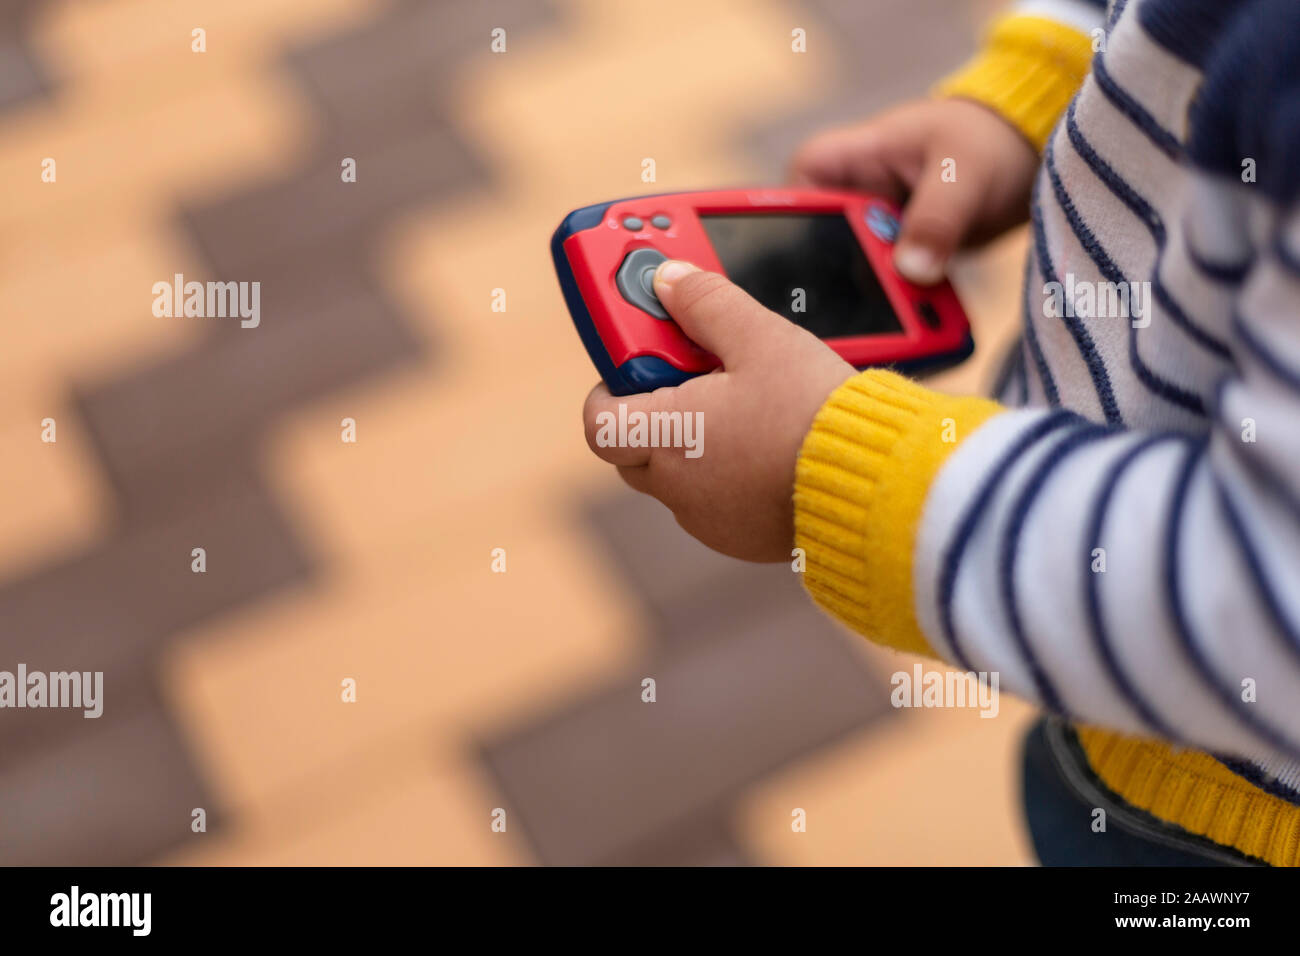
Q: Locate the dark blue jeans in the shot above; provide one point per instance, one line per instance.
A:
(1061, 795)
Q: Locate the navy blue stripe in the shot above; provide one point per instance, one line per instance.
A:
(1022, 377)
(1106, 173)
(1229, 273)
(1091, 358)
(1164, 140)
(1182, 626)
(1290, 637)
(1167, 390)
(1100, 634)
(1010, 375)
(1010, 546)
(1248, 101)
(966, 526)
(1265, 355)
(1148, 215)
(1035, 349)
(1289, 259)
(1115, 13)
(1257, 777)
(1242, 453)
(1187, 28)
(1207, 341)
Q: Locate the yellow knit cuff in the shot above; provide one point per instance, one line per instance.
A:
(860, 487)
(1029, 70)
(1196, 792)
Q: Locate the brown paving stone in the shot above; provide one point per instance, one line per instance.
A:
(939, 787)
(689, 592)
(168, 430)
(613, 778)
(421, 814)
(884, 52)
(179, 440)
(745, 652)
(54, 500)
(111, 608)
(21, 75)
(120, 791)
(20, 78)
(415, 162)
(706, 841)
(362, 77)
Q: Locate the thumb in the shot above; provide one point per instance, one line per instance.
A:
(714, 312)
(936, 219)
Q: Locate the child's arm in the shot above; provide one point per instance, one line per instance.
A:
(955, 528)
(1142, 581)
(965, 160)
(1032, 63)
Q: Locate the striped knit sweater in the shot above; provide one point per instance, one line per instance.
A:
(1124, 547)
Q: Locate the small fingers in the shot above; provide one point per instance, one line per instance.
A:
(600, 420)
(937, 218)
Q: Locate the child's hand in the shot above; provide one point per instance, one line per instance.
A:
(737, 496)
(903, 152)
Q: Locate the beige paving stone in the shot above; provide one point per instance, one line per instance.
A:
(937, 787)
(989, 282)
(114, 163)
(94, 39)
(415, 813)
(443, 644)
(482, 449)
(54, 501)
(81, 302)
(581, 110)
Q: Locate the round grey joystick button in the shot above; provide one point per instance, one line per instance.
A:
(635, 280)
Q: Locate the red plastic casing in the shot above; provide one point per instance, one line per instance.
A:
(627, 332)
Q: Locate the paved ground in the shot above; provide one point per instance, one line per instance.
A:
(370, 561)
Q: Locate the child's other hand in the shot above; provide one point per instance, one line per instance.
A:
(903, 153)
(737, 496)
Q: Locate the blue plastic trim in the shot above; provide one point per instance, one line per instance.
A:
(646, 373)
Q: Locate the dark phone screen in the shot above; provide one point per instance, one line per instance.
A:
(774, 255)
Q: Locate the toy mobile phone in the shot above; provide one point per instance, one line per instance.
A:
(820, 258)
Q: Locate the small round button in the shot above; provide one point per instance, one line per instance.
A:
(648, 280)
(633, 223)
(882, 223)
(661, 222)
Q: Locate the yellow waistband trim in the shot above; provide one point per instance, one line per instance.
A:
(1196, 792)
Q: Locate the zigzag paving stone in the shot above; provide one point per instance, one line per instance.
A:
(611, 773)
(120, 159)
(884, 52)
(111, 608)
(442, 645)
(394, 64)
(21, 75)
(180, 441)
(90, 45)
(73, 330)
(940, 787)
(690, 593)
(220, 397)
(433, 814)
(705, 841)
(330, 322)
(54, 502)
(414, 163)
(119, 792)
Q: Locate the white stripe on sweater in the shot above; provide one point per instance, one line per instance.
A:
(1178, 655)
